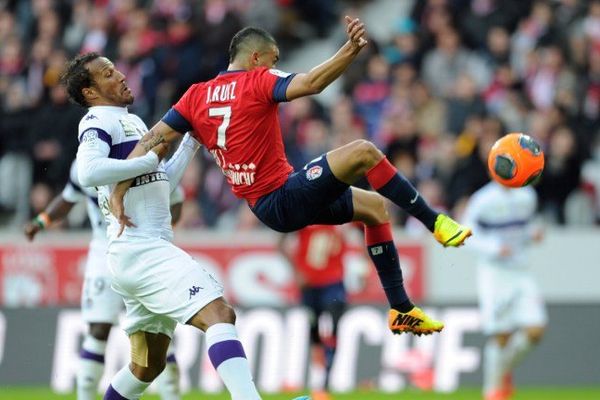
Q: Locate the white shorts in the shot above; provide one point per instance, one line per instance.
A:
(160, 283)
(99, 302)
(509, 299)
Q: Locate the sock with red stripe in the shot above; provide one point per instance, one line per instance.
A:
(386, 180)
(383, 253)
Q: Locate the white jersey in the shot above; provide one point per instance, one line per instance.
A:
(107, 135)
(73, 192)
(501, 217)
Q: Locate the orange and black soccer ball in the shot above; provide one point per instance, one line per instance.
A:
(516, 160)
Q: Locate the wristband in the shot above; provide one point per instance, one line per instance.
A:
(42, 220)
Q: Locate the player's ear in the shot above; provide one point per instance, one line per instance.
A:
(255, 59)
(89, 93)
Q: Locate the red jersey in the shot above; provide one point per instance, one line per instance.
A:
(235, 115)
(319, 255)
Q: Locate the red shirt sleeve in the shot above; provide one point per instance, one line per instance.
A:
(271, 84)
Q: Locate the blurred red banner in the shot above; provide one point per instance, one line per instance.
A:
(252, 274)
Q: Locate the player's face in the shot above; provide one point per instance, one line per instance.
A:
(109, 87)
(268, 57)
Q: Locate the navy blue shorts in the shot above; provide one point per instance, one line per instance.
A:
(310, 196)
(324, 299)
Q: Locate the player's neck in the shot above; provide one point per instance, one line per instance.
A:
(237, 66)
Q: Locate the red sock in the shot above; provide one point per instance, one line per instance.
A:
(381, 173)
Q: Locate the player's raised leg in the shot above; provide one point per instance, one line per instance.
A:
(369, 208)
(361, 158)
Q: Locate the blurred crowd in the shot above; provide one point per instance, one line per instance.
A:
(453, 76)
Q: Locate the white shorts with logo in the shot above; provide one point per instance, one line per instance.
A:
(99, 302)
(160, 283)
(509, 299)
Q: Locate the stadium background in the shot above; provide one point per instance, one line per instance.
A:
(439, 82)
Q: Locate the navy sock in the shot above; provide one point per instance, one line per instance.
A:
(383, 253)
(386, 180)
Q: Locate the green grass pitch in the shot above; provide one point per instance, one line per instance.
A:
(14, 393)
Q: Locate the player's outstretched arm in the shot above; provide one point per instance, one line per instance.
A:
(177, 164)
(318, 78)
(58, 209)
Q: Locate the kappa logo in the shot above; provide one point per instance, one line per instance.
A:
(91, 116)
(314, 172)
(194, 290)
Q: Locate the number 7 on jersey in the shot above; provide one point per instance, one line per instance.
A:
(224, 112)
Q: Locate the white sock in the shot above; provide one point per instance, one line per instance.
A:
(127, 384)
(91, 367)
(492, 366)
(500, 361)
(227, 356)
(168, 381)
(517, 347)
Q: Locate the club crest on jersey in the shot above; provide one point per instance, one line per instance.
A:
(314, 172)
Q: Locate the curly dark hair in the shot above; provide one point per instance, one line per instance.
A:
(76, 77)
(247, 36)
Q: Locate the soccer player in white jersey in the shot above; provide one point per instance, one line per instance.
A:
(512, 310)
(100, 305)
(161, 284)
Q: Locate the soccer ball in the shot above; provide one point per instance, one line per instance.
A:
(516, 160)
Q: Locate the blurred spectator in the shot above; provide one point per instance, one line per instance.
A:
(15, 158)
(561, 174)
(448, 60)
(430, 112)
(463, 101)
(436, 90)
(53, 132)
(549, 80)
(497, 50)
(404, 46)
(527, 36)
(371, 93)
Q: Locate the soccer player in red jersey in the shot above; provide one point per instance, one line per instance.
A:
(235, 116)
(317, 258)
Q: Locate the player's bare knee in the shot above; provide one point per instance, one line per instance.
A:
(502, 339)
(365, 154)
(100, 331)
(535, 335)
(217, 311)
(225, 313)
